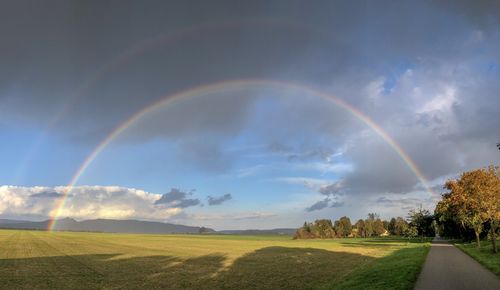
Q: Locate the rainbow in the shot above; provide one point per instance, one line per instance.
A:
(227, 86)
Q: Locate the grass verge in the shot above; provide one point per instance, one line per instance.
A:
(399, 270)
(483, 255)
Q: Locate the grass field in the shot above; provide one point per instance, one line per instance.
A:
(44, 260)
(484, 255)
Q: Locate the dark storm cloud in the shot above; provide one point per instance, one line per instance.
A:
(337, 204)
(331, 189)
(91, 65)
(215, 45)
(167, 53)
(425, 72)
(405, 203)
(480, 12)
(217, 200)
(381, 169)
(177, 198)
(334, 193)
(318, 205)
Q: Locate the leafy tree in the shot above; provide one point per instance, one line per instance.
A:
(463, 203)
(360, 226)
(343, 227)
(411, 232)
(378, 227)
(391, 227)
(473, 200)
(370, 224)
(386, 225)
(400, 226)
(421, 219)
(450, 223)
(305, 232)
(307, 226)
(324, 228)
(490, 200)
(319, 229)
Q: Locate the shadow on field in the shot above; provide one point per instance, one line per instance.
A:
(265, 268)
(107, 271)
(271, 267)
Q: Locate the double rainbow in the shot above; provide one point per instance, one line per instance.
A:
(219, 88)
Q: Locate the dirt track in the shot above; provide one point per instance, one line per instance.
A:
(446, 267)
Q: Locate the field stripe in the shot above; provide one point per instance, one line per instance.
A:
(73, 258)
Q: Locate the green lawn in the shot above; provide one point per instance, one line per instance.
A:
(484, 255)
(44, 260)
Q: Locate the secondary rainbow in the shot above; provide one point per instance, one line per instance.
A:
(227, 86)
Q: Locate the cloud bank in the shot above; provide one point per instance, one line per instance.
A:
(90, 202)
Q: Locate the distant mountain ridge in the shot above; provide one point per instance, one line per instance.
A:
(9, 221)
(130, 226)
(106, 225)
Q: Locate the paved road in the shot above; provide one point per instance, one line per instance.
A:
(446, 267)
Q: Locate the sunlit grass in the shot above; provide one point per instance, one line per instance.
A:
(36, 259)
(483, 255)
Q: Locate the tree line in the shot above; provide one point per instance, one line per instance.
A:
(470, 209)
(418, 223)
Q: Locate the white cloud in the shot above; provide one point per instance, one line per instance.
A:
(9, 199)
(441, 102)
(84, 202)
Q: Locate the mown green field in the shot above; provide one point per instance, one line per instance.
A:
(44, 260)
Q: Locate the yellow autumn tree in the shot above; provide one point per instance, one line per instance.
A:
(474, 199)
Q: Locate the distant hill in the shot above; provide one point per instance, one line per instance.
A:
(284, 231)
(106, 225)
(130, 226)
(7, 221)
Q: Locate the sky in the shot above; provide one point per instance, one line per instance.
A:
(268, 113)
